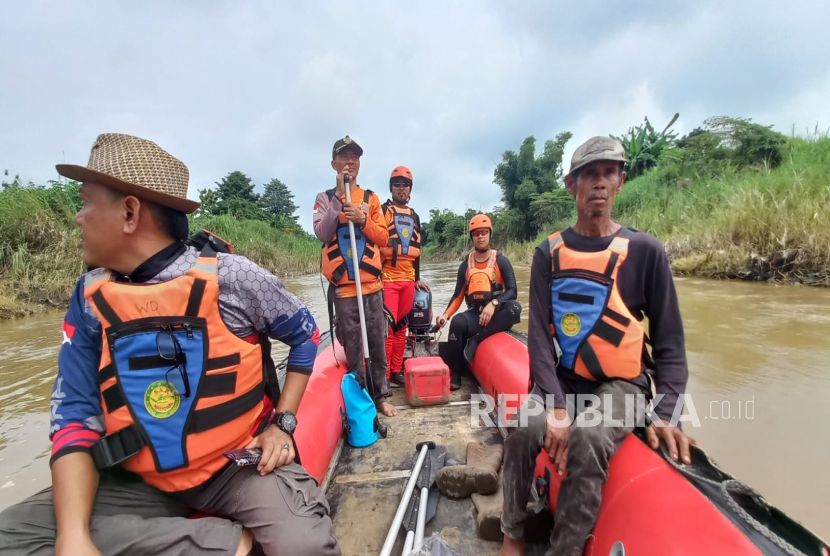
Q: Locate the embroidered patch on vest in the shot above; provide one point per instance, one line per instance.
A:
(160, 400)
(571, 325)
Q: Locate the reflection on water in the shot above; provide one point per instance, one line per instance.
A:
(758, 343)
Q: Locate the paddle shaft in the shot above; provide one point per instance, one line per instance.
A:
(422, 517)
(407, 494)
(409, 543)
(355, 265)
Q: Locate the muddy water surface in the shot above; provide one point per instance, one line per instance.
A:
(759, 383)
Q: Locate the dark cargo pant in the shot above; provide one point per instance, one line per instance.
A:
(347, 331)
(589, 451)
(464, 326)
(285, 510)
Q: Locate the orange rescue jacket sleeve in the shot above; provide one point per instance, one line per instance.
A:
(375, 226)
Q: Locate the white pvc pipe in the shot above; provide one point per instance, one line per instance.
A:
(407, 494)
(409, 543)
(422, 517)
(355, 264)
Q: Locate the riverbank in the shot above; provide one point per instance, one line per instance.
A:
(759, 224)
(40, 260)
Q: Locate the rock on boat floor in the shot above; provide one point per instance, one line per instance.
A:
(366, 486)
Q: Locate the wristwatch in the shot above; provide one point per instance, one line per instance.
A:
(495, 303)
(286, 421)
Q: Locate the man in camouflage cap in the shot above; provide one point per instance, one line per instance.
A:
(594, 352)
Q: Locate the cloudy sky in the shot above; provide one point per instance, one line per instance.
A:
(443, 87)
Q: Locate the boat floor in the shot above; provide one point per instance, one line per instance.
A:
(366, 484)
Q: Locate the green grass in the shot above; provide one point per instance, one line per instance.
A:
(39, 256)
(758, 224)
(282, 253)
(40, 260)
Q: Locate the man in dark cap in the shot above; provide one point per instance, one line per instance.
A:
(591, 285)
(332, 214)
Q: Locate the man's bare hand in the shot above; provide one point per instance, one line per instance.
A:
(676, 440)
(354, 213)
(340, 189)
(421, 285)
(273, 444)
(557, 433)
(440, 321)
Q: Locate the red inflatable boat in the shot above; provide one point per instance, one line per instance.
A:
(707, 511)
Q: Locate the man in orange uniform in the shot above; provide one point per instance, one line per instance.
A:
(401, 267)
(488, 285)
(332, 214)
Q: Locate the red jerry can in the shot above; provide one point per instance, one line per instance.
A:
(427, 381)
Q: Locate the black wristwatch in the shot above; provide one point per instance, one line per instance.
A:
(286, 422)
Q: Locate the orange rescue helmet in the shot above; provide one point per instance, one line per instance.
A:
(401, 172)
(481, 221)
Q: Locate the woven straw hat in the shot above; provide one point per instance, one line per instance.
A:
(137, 167)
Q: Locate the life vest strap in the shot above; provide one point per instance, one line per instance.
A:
(218, 385)
(105, 374)
(556, 266)
(370, 269)
(155, 361)
(576, 298)
(194, 302)
(612, 263)
(589, 358)
(616, 317)
(212, 417)
(105, 308)
(213, 385)
(117, 447)
(605, 331)
(224, 361)
(113, 398)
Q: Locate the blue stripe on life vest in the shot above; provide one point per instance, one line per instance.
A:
(575, 312)
(345, 245)
(405, 226)
(162, 416)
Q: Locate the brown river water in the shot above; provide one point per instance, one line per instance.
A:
(758, 379)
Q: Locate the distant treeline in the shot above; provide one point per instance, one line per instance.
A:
(732, 198)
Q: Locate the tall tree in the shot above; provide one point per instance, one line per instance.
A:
(235, 194)
(278, 200)
(236, 185)
(523, 177)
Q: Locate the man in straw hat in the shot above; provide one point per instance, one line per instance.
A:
(165, 366)
(591, 285)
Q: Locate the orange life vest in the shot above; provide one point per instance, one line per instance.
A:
(482, 284)
(404, 235)
(338, 267)
(599, 337)
(173, 441)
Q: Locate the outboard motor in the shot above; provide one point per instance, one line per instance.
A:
(420, 317)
